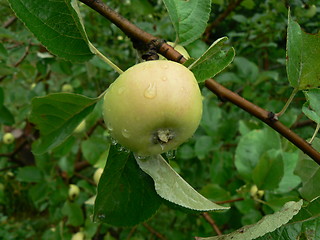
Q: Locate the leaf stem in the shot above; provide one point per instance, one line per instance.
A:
(105, 59)
(294, 92)
(315, 133)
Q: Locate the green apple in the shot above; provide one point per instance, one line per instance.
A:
(8, 138)
(74, 191)
(78, 236)
(179, 49)
(67, 88)
(97, 175)
(153, 107)
(311, 11)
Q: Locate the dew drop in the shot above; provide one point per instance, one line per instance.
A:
(101, 216)
(151, 91)
(164, 78)
(171, 154)
(139, 157)
(121, 90)
(109, 127)
(125, 133)
(114, 142)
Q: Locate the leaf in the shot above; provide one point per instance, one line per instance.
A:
(213, 61)
(251, 147)
(56, 25)
(5, 115)
(56, 116)
(267, 224)
(29, 174)
(312, 107)
(304, 225)
(185, 17)
(309, 172)
(172, 187)
(74, 213)
(93, 148)
(269, 170)
(303, 51)
(126, 195)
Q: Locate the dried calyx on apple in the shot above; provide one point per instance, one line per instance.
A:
(153, 107)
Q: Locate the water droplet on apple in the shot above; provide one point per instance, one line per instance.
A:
(125, 133)
(139, 157)
(164, 78)
(171, 154)
(109, 127)
(121, 90)
(151, 91)
(114, 142)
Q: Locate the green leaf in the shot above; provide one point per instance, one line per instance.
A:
(303, 51)
(251, 147)
(29, 174)
(269, 170)
(56, 116)
(5, 115)
(267, 224)
(173, 188)
(126, 195)
(309, 172)
(304, 225)
(312, 107)
(56, 25)
(93, 148)
(185, 17)
(213, 61)
(74, 213)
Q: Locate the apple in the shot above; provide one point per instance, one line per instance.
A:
(97, 175)
(153, 107)
(311, 11)
(8, 138)
(74, 191)
(78, 236)
(67, 88)
(179, 49)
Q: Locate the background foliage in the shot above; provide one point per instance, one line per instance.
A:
(229, 155)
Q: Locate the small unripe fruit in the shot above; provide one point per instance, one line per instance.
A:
(74, 191)
(78, 236)
(67, 88)
(153, 107)
(97, 175)
(179, 49)
(311, 11)
(8, 138)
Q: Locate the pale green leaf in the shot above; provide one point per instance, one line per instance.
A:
(213, 61)
(267, 224)
(56, 25)
(303, 54)
(189, 18)
(312, 107)
(172, 187)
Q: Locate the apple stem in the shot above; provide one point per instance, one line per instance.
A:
(163, 136)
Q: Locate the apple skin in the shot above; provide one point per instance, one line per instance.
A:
(78, 236)
(8, 138)
(179, 49)
(153, 107)
(97, 175)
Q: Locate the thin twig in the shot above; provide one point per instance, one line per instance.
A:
(154, 232)
(213, 224)
(229, 201)
(219, 90)
(9, 22)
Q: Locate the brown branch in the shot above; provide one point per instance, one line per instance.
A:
(213, 224)
(215, 87)
(9, 22)
(154, 232)
(221, 17)
(229, 201)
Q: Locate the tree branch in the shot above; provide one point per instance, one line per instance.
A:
(219, 90)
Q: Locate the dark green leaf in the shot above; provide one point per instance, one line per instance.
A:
(5, 115)
(56, 25)
(303, 51)
(185, 16)
(56, 116)
(74, 213)
(126, 195)
(29, 174)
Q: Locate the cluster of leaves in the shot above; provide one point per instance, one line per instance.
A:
(231, 156)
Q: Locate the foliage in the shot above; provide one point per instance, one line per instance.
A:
(232, 160)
